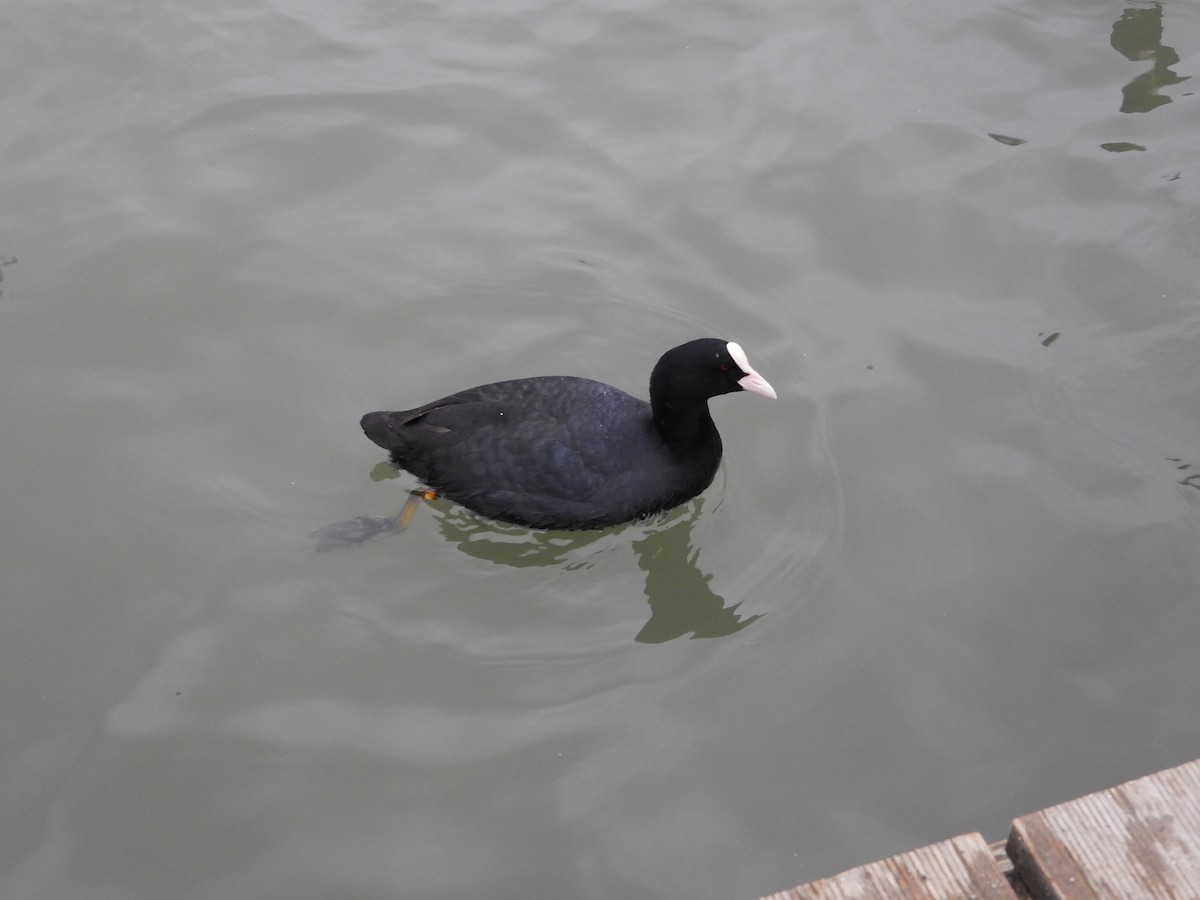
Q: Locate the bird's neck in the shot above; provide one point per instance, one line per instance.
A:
(687, 428)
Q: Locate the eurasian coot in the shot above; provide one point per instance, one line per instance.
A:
(562, 452)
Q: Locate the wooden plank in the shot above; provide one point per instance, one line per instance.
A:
(959, 868)
(1000, 855)
(1141, 839)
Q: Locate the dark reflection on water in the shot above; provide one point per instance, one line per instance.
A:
(5, 261)
(681, 600)
(510, 545)
(1191, 480)
(1121, 146)
(1137, 35)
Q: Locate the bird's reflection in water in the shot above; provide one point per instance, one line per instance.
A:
(681, 601)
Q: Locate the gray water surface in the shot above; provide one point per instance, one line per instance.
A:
(951, 576)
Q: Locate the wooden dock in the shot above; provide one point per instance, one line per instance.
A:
(1138, 840)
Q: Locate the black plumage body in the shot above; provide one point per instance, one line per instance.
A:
(562, 452)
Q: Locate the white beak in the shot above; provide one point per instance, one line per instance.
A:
(751, 381)
(756, 384)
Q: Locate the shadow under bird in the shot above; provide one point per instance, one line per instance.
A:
(561, 452)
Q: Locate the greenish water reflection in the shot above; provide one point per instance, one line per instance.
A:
(1137, 35)
(681, 600)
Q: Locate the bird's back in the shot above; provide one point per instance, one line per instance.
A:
(555, 451)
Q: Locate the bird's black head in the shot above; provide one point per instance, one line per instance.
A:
(704, 368)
